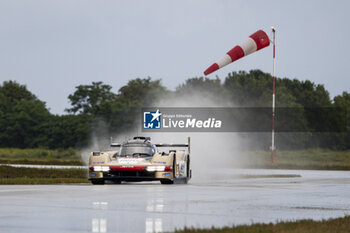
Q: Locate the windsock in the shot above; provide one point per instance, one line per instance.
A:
(254, 42)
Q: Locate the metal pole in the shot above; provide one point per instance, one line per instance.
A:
(273, 98)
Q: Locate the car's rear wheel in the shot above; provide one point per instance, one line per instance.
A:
(189, 171)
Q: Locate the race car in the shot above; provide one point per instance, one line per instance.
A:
(138, 159)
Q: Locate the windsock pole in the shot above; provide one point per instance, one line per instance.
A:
(273, 97)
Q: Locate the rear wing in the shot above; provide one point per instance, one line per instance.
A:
(188, 145)
(115, 144)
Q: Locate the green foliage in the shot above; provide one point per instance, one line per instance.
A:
(251, 89)
(22, 117)
(16, 92)
(89, 99)
(203, 85)
(142, 91)
(130, 98)
(16, 153)
(67, 131)
(307, 93)
(123, 115)
(25, 122)
(342, 140)
(337, 225)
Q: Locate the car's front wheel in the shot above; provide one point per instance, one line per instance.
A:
(166, 182)
(97, 181)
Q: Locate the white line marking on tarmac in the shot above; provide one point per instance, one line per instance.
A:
(20, 190)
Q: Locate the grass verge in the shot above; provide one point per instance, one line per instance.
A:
(72, 162)
(337, 225)
(316, 159)
(13, 175)
(42, 181)
(40, 156)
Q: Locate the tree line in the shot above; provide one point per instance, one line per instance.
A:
(25, 121)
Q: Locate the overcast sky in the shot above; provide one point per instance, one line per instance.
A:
(53, 46)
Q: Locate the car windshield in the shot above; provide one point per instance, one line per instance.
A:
(135, 150)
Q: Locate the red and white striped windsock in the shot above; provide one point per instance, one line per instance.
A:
(254, 42)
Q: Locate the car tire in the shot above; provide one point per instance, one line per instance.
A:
(167, 182)
(97, 182)
(174, 172)
(189, 171)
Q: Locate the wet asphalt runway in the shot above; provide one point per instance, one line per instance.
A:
(218, 199)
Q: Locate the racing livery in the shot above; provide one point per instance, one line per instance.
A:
(138, 159)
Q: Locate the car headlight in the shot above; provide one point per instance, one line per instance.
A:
(101, 168)
(155, 168)
(105, 168)
(150, 168)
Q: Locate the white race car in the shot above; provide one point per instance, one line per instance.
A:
(139, 160)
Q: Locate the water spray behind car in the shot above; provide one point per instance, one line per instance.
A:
(211, 153)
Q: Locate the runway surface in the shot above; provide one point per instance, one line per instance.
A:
(216, 199)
